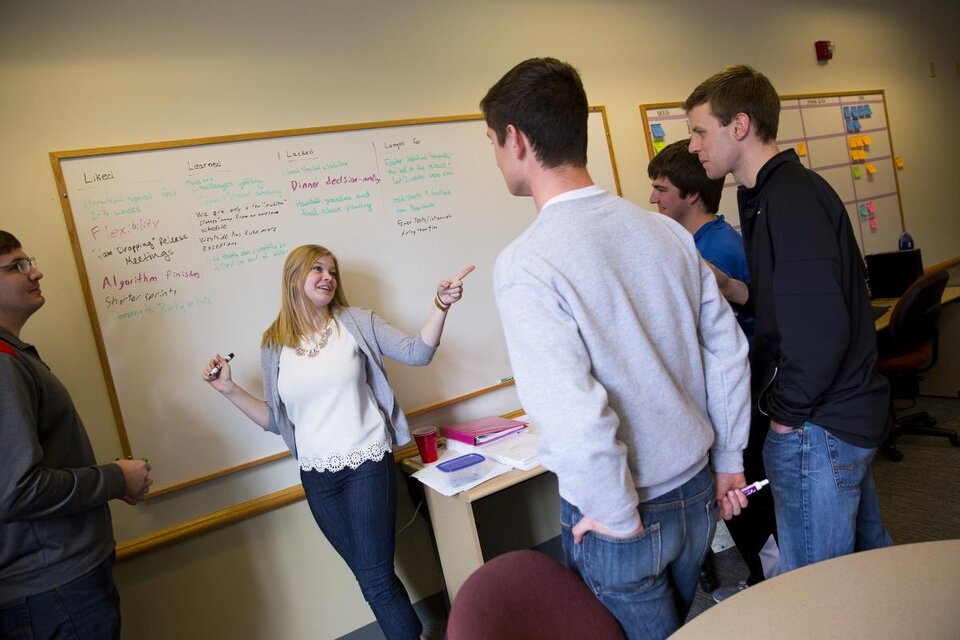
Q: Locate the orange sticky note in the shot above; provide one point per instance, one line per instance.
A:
(861, 154)
(801, 149)
(853, 155)
(899, 162)
(852, 141)
(870, 168)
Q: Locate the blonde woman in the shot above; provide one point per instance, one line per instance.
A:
(328, 397)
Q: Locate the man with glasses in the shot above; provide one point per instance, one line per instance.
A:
(56, 535)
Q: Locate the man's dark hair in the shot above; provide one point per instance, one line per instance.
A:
(545, 100)
(8, 243)
(684, 171)
(740, 89)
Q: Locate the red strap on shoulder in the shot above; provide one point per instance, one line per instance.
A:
(7, 348)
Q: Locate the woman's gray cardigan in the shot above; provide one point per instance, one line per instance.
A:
(376, 339)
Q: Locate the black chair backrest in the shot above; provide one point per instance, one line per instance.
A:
(914, 318)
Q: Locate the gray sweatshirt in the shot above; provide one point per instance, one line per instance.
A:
(54, 521)
(625, 354)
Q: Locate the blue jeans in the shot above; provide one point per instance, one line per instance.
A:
(357, 510)
(824, 496)
(648, 581)
(87, 608)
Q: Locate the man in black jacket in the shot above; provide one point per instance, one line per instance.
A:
(814, 352)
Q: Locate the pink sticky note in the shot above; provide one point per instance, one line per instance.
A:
(871, 207)
(873, 224)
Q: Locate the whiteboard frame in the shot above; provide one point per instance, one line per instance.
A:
(56, 157)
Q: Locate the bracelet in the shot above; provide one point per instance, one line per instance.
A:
(439, 304)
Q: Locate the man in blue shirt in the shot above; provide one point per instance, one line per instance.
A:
(683, 192)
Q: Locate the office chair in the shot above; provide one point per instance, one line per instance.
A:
(527, 595)
(907, 348)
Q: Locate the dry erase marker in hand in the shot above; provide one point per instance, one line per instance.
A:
(216, 370)
(754, 487)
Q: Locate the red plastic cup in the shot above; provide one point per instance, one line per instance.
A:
(426, 438)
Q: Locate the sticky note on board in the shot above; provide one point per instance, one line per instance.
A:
(871, 208)
(856, 172)
(863, 211)
(861, 155)
(853, 155)
(866, 111)
(856, 125)
(866, 140)
(873, 224)
(846, 113)
(899, 162)
(854, 142)
(801, 149)
(871, 169)
(850, 128)
(658, 146)
(657, 130)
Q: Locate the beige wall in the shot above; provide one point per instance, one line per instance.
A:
(100, 73)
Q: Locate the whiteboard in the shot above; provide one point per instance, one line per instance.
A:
(816, 127)
(180, 247)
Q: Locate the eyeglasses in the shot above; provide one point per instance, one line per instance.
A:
(24, 265)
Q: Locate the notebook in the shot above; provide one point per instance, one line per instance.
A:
(482, 430)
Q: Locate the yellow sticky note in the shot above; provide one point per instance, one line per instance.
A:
(861, 154)
(801, 149)
(899, 162)
(870, 168)
(658, 146)
(866, 140)
(853, 142)
(853, 155)
(856, 171)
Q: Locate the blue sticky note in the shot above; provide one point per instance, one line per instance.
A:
(867, 111)
(863, 111)
(850, 128)
(856, 125)
(846, 113)
(657, 130)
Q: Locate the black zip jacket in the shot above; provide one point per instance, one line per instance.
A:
(815, 348)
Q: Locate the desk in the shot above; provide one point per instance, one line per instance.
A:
(950, 294)
(454, 526)
(906, 591)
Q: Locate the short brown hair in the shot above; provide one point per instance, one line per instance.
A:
(684, 171)
(8, 243)
(740, 89)
(544, 99)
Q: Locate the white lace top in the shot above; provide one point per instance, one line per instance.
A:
(338, 422)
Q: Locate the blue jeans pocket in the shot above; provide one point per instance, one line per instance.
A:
(622, 565)
(850, 463)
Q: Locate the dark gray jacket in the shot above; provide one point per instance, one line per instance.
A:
(815, 347)
(54, 521)
(376, 338)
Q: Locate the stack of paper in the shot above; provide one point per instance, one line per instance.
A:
(518, 451)
(440, 481)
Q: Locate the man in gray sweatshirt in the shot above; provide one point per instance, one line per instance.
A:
(625, 355)
(56, 537)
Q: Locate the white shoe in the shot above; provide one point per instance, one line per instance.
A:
(721, 594)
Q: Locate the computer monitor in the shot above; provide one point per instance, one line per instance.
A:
(891, 272)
